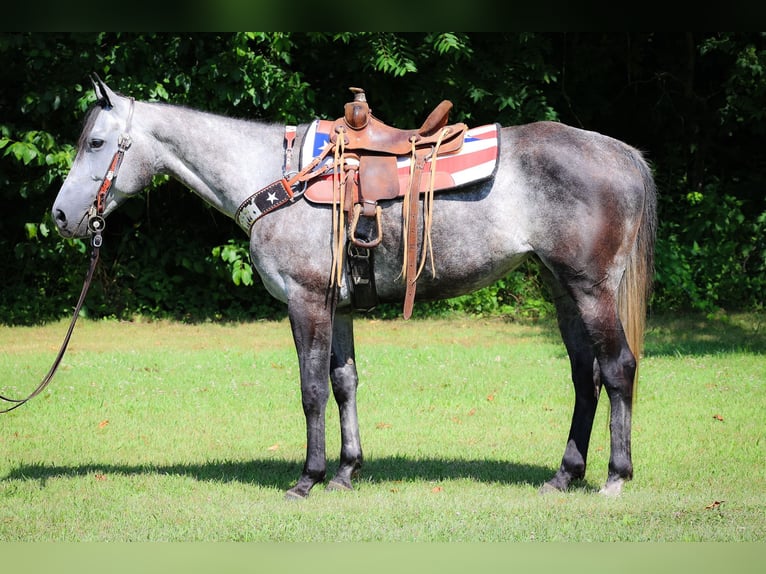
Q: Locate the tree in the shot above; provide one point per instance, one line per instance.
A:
(691, 101)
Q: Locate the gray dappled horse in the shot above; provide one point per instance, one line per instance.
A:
(581, 202)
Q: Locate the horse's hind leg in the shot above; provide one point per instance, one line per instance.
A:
(587, 385)
(344, 379)
(617, 367)
(599, 325)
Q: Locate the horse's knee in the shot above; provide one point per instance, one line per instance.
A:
(344, 381)
(619, 374)
(314, 397)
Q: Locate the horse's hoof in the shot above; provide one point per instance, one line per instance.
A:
(612, 489)
(293, 495)
(335, 485)
(548, 488)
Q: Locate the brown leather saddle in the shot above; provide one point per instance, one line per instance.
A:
(377, 145)
(372, 176)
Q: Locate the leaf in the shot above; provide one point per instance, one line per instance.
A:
(383, 425)
(103, 423)
(22, 151)
(436, 489)
(718, 417)
(491, 397)
(273, 447)
(100, 476)
(714, 504)
(31, 230)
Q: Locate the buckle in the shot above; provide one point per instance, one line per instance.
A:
(357, 252)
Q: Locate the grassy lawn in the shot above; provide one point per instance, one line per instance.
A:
(156, 431)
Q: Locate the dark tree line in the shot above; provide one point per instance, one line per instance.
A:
(693, 102)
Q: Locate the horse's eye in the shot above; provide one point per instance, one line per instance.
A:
(96, 143)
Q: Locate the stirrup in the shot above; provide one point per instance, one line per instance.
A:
(374, 242)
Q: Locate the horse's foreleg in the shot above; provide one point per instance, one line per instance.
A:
(343, 375)
(312, 332)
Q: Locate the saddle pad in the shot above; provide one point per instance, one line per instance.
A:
(476, 160)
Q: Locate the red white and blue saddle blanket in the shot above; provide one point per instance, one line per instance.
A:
(475, 161)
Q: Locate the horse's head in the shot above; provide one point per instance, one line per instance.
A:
(106, 123)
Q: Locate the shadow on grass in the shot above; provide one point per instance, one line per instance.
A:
(281, 474)
(694, 334)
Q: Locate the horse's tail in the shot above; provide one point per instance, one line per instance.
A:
(636, 285)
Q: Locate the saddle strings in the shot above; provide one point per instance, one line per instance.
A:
(338, 200)
(406, 211)
(428, 208)
(428, 211)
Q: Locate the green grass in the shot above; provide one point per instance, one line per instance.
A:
(162, 431)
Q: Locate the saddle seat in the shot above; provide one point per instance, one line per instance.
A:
(376, 146)
(363, 132)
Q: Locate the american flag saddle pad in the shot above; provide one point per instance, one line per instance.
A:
(475, 161)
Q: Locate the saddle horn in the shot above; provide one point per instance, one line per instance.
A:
(102, 91)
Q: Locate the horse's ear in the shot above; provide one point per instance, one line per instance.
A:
(103, 93)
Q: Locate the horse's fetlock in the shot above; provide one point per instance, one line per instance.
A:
(620, 468)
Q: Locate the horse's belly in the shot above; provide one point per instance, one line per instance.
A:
(452, 278)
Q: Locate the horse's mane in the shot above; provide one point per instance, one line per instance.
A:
(100, 105)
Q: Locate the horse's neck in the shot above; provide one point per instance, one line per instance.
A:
(223, 160)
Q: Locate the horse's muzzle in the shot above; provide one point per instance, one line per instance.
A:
(66, 228)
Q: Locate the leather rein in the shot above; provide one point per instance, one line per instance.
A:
(96, 226)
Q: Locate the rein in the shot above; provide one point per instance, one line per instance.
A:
(96, 226)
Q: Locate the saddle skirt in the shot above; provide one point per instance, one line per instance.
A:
(475, 161)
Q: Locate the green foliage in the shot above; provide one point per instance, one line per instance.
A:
(519, 296)
(745, 88)
(393, 55)
(237, 257)
(715, 256)
(693, 101)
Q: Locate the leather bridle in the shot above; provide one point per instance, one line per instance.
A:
(96, 226)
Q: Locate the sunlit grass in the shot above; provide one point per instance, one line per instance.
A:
(165, 431)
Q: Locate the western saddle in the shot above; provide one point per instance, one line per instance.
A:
(359, 185)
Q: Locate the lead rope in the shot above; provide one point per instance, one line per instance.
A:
(47, 379)
(96, 227)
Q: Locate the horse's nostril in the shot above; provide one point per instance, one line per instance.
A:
(60, 217)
